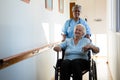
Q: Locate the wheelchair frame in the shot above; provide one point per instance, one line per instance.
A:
(92, 69)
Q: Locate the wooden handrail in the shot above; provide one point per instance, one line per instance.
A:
(5, 62)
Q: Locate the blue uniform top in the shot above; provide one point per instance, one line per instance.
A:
(73, 51)
(68, 28)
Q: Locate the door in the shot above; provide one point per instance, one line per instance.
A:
(71, 5)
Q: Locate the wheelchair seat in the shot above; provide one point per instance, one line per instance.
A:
(91, 69)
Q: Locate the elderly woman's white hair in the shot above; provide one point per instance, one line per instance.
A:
(76, 6)
(84, 29)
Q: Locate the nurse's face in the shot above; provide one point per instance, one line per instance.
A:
(76, 13)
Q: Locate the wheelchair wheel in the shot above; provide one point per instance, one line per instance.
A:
(90, 75)
(91, 72)
(56, 75)
(94, 71)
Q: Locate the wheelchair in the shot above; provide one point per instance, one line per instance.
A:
(91, 70)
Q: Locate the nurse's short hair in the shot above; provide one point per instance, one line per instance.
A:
(76, 6)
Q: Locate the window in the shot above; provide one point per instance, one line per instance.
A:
(61, 6)
(49, 4)
(117, 16)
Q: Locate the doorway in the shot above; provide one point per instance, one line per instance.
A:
(71, 5)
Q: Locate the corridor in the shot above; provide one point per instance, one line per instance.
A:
(30, 28)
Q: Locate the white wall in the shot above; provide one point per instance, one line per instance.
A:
(92, 10)
(118, 56)
(45, 63)
(24, 27)
(113, 41)
(114, 54)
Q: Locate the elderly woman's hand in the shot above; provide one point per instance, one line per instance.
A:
(57, 48)
(87, 47)
(91, 47)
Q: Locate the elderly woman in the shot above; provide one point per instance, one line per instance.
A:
(76, 50)
(68, 28)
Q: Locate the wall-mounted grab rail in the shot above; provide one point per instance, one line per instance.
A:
(5, 62)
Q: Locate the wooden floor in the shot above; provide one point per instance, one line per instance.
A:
(103, 72)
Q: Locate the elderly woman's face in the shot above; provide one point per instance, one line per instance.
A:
(76, 13)
(79, 31)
